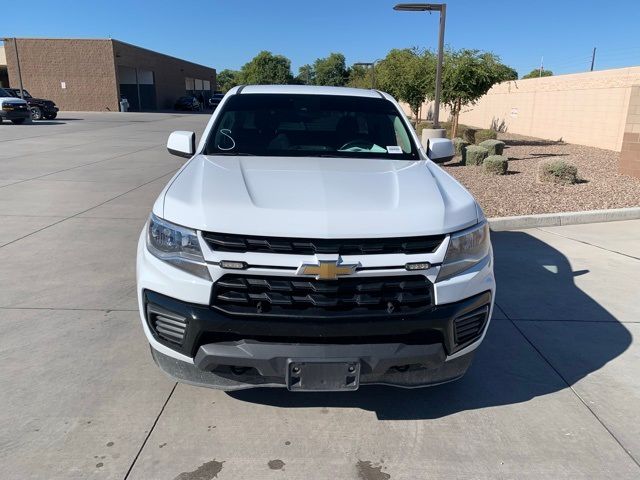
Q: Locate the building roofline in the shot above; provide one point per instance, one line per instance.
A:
(112, 40)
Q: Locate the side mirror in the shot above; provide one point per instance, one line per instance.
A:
(182, 143)
(440, 150)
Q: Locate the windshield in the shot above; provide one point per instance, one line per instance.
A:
(15, 92)
(311, 125)
(4, 93)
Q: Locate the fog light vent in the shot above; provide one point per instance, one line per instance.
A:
(167, 325)
(469, 327)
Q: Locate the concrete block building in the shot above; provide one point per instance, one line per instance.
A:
(82, 74)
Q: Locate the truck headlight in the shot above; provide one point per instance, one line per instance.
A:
(176, 245)
(466, 249)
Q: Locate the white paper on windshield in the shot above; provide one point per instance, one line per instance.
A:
(394, 149)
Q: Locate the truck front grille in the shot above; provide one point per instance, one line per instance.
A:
(303, 297)
(224, 242)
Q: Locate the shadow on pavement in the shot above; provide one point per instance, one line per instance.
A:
(507, 369)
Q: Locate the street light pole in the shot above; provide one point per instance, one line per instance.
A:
(436, 107)
(432, 7)
(373, 75)
(15, 46)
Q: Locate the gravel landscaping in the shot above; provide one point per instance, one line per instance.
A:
(520, 193)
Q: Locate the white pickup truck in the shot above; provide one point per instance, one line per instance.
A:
(312, 243)
(14, 109)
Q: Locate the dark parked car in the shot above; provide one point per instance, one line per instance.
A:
(40, 107)
(215, 100)
(188, 103)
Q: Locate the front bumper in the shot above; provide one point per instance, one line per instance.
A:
(48, 109)
(15, 114)
(234, 353)
(378, 365)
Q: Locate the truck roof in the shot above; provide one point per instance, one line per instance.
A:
(308, 90)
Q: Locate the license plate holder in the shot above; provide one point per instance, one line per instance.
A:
(314, 376)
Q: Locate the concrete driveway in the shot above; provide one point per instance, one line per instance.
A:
(554, 391)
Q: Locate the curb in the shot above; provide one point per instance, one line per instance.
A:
(563, 218)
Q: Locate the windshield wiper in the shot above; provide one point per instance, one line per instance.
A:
(234, 154)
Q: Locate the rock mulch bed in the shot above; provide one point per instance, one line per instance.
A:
(520, 193)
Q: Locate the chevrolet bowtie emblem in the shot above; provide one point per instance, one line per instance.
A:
(327, 269)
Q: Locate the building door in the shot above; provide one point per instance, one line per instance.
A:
(137, 86)
(147, 90)
(129, 87)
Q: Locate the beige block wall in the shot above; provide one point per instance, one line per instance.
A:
(587, 108)
(630, 154)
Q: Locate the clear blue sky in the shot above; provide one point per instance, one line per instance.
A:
(226, 34)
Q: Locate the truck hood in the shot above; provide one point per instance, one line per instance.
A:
(14, 100)
(316, 197)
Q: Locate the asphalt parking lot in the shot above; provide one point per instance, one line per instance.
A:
(554, 391)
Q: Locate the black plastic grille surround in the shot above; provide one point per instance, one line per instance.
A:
(224, 242)
(310, 298)
(208, 324)
(470, 326)
(167, 325)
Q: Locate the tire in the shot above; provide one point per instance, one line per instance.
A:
(51, 116)
(0, 120)
(18, 121)
(36, 113)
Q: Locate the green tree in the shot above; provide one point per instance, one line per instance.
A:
(408, 75)
(467, 75)
(266, 69)
(536, 73)
(306, 75)
(227, 79)
(360, 77)
(331, 70)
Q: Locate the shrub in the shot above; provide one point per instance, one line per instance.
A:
(495, 147)
(495, 164)
(463, 131)
(474, 155)
(482, 135)
(460, 144)
(468, 133)
(558, 171)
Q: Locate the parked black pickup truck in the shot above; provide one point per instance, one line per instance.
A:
(40, 107)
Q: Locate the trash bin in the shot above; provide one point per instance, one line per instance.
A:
(124, 105)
